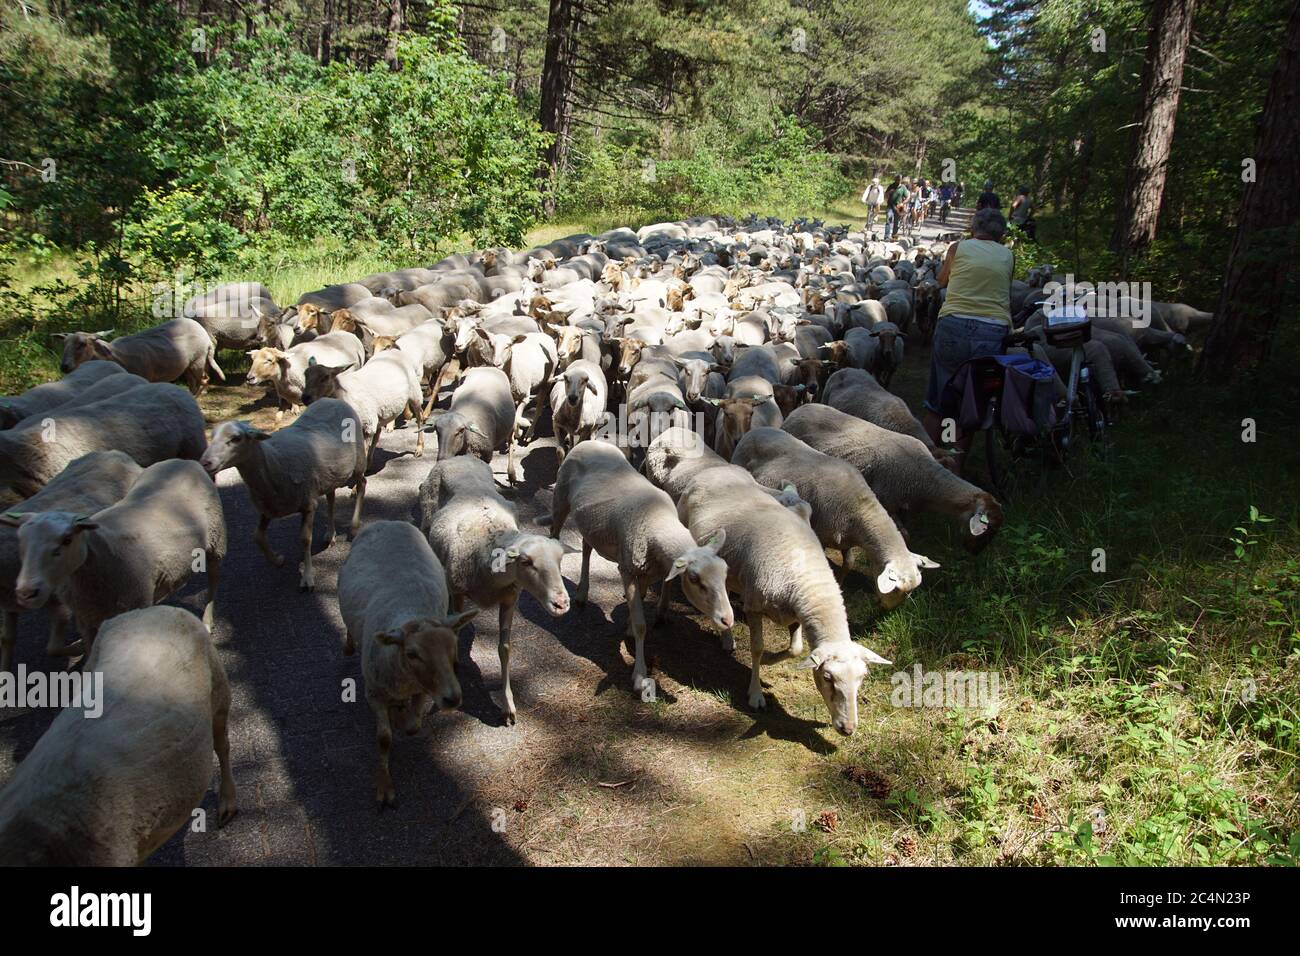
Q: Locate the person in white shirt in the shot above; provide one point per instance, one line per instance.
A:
(874, 198)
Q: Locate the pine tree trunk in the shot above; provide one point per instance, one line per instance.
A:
(557, 91)
(1162, 79)
(1257, 284)
(396, 9)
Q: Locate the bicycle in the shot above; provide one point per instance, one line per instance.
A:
(1059, 430)
(943, 211)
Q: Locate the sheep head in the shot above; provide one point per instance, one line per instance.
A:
(322, 381)
(838, 669)
(81, 347)
(532, 561)
(230, 445)
(981, 522)
(429, 653)
(704, 579)
(308, 317)
(454, 431)
(266, 365)
(51, 546)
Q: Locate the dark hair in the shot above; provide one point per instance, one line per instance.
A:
(989, 222)
(1024, 190)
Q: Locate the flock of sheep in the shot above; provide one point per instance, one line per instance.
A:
(718, 395)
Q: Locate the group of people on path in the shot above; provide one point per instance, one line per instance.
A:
(905, 204)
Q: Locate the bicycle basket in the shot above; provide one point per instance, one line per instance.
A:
(1066, 326)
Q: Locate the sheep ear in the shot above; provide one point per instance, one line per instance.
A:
(811, 662)
(471, 427)
(870, 656)
(678, 567)
(60, 335)
(886, 581)
(715, 541)
(923, 562)
(591, 387)
(311, 360)
(392, 637)
(13, 519)
(454, 622)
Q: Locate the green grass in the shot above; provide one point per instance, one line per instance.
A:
(1150, 713)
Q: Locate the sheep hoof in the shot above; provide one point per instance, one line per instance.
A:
(278, 561)
(757, 700)
(385, 795)
(307, 587)
(226, 814)
(508, 718)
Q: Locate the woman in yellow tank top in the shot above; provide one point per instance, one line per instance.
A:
(976, 313)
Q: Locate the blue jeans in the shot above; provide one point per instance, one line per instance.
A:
(890, 226)
(957, 339)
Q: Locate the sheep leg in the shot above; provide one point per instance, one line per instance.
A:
(415, 706)
(226, 803)
(584, 582)
(385, 795)
(7, 638)
(510, 460)
(57, 644)
(307, 580)
(370, 454)
(506, 618)
(214, 578)
(665, 599)
(359, 497)
(756, 698)
(259, 538)
(329, 534)
(414, 410)
(796, 640)
(841, 569)
(633, 590)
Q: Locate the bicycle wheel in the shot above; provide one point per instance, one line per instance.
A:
(1004, 458)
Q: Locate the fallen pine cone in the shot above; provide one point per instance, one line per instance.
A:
(827, 821)
(907, 845)
(874, 782)
(521, 806)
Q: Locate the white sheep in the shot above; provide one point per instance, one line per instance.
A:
(393, 600)
(286, 369)
(845, 512)
(632, 523)
(150, 423)
(777, 566)
(475, 534)
(480, 420)
(578, 400)
(857, 393)
(289, 471)
(89, 484)
(111, 790)
(900, 470)
(161, 354)
(51, 395)
(380, 391)
(529, 362)
(134, 553)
